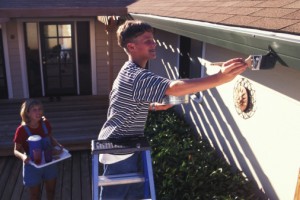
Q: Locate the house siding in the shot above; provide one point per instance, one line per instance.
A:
(118, 57)
(265, 146)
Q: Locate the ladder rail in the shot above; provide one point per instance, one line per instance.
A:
(95, 167)
(127, 145)
(148, 171)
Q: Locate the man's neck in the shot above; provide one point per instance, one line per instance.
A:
(141, 62)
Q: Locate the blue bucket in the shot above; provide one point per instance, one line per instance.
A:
(35, 142)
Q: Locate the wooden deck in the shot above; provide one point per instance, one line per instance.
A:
(75, 120)
(73, 182)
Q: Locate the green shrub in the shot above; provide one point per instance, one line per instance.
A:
(189, 168)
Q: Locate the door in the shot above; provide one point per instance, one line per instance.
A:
(84, 57)
(58, 58)
(33, 59)
(3, 82)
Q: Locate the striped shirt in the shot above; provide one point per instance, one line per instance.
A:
(133, 90)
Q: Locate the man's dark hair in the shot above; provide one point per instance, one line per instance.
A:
(131, 29)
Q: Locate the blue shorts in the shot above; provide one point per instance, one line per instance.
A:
(33, 176)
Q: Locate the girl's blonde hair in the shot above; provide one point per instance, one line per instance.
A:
(26, 106)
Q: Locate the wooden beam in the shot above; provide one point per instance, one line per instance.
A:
(4, 19)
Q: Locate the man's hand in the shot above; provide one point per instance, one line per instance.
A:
(159, 106)
(231, 68)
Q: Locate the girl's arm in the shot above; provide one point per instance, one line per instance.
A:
(20, 153)
(54, 142)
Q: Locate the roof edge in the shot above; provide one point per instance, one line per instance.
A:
(244, 40)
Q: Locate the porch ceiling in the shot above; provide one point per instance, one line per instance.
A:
(61, 12)
(62, 8)
(247, 41)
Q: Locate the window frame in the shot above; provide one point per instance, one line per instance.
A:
(188, 60)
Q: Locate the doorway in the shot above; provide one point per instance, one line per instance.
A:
(3, 82)
(58, 58)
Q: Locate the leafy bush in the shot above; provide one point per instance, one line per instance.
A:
(189, 168)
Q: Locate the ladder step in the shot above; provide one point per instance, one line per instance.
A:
(121, 179)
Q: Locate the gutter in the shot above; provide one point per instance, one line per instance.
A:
(244, 40)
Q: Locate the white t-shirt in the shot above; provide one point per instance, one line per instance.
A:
(110, 158)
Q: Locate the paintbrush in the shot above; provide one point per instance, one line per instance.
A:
(257, 62)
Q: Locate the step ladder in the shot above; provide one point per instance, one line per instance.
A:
(126, 145)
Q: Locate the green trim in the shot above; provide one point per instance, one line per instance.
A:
(288, 51)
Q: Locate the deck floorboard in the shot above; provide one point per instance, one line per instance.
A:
(73, 181)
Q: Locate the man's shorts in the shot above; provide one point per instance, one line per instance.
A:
(33, 176)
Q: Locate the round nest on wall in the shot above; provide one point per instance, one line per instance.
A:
(244, 98)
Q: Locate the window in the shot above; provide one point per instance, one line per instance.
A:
(190, 66)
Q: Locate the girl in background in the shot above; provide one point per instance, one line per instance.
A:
(34, 123)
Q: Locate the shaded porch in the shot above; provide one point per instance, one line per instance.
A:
(75, 120)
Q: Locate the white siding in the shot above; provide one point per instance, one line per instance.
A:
(265, 146)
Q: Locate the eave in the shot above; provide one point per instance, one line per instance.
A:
(244, 40)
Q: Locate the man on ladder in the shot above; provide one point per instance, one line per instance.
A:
(136, 91)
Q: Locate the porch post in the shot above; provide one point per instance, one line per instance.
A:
(111, 28)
